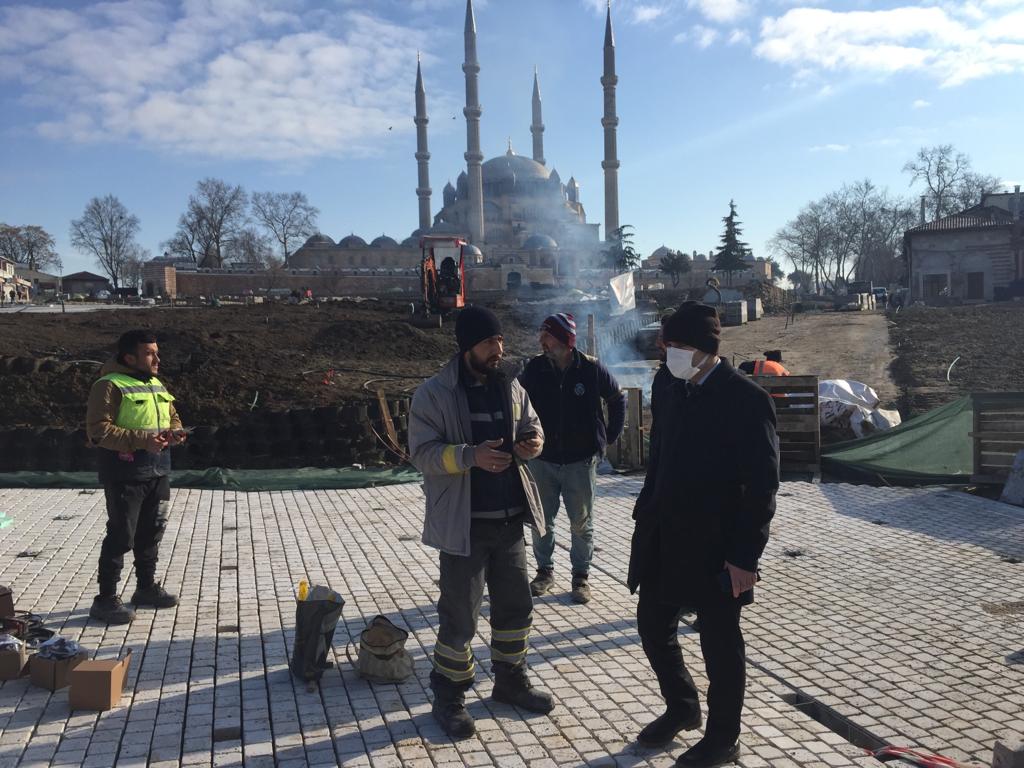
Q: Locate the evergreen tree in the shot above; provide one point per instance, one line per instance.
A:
(622, 256)
(730, 256)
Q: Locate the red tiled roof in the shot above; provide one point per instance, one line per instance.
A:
(980, 216)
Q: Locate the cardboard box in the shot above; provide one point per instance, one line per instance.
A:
(12, 664)
(52, 674)
(97, 684)
(6, 602)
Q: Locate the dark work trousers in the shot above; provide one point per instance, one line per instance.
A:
(721, 643)
(497, 558)
(136, 519)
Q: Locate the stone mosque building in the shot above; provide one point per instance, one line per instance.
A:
(524, 223)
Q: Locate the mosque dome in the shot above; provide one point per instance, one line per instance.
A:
(319, 240)
(471, 250)
(384, 242)
(443, 228)
(352, 241)
(411, 242)
(540, 243)
(513, 167)
(660, 253)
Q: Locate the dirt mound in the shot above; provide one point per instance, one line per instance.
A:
(987, 339)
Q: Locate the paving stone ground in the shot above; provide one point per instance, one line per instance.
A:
(901, 610)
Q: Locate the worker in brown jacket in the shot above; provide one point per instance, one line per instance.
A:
(131, 419)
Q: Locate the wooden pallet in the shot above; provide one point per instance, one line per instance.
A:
(998, 434)
(798, 427)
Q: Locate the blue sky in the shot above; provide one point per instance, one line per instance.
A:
(770, 102)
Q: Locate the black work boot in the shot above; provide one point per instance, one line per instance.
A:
(705, 754)
(449, 707)
(154, 596)
(110, 610)
(542, 582)
(580, 588)
(512, 686)
(667, 727)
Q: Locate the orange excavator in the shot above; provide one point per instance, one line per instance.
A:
(442, 278)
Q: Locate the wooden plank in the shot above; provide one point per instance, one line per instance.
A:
(999, 437)
(985, 478)
(801, 423)
(990, 459)
(1001, 425)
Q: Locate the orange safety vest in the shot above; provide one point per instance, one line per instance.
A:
(769, 368)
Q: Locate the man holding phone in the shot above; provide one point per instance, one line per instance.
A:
(131, 419)
(567, 388)
(471, 432)
(702, 522)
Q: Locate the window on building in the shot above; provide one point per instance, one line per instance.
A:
(975, 285)
(934, 286)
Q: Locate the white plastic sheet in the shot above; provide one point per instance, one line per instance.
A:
(851, 404)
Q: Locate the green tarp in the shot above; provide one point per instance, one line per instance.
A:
(306, 479)
(934, 448)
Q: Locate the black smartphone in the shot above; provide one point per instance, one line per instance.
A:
(528, 435)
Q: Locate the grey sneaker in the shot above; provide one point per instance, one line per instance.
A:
(542, 582)
(580, 589)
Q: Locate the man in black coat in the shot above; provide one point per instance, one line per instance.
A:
(702, 522)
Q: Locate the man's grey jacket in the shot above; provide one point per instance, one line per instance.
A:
(440, 441)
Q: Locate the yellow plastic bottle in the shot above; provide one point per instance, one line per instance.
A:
(303, 589)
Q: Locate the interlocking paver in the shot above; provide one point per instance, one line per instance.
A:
(893, 615)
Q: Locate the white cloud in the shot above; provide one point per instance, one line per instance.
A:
(951, 44)
(701, 36)
(830, 148)
(229, 78)
(739, 37)
(921, 104)
(721, 11)
(644, 14)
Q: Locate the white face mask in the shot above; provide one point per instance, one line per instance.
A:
(680, 363)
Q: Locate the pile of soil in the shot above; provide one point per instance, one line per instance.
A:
(226, 363)
(988, 339)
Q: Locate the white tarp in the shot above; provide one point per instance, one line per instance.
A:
(623, 293)
(844, 403)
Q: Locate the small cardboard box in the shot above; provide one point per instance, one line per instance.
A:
(6, 602)
(12, 664)
(97, 684)
(52, 674)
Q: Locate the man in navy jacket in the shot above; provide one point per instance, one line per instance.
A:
(566, 389)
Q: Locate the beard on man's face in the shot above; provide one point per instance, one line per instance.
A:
(484, 366)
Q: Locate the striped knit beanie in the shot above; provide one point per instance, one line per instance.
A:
(562, 326)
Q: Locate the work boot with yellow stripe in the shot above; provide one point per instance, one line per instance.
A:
(449, 707)
(512, 686)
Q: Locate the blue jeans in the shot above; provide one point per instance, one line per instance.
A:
(573, 484)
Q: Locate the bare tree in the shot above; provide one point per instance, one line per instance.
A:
(107, 230)
(250, 246)
(950, 182)
(288, 216)
(133, 266)
(30, 245)
(215, 214)
(855, 232)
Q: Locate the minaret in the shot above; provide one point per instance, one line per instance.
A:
(537, 127)
(610, 122)
(422, 155)
(474, 157)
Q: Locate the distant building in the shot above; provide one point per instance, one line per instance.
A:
(85, 283)
(42, 284)
(971, 256)
(756, 270)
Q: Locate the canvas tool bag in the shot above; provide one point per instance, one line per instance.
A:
(382, 656)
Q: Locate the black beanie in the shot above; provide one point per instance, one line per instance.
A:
(475, 324)
(695, 325)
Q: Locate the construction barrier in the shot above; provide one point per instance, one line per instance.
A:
(997, 434)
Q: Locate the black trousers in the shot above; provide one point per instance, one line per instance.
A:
(497, 558)
(136, 519)
(721, 644)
